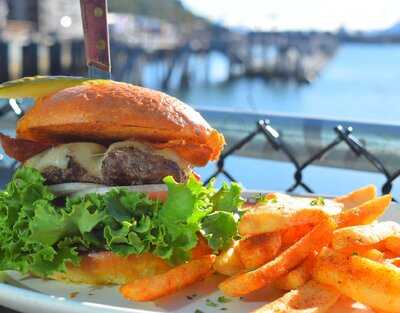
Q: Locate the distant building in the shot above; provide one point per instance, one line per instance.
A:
(23, 10)
(61, 17)
(3, 13)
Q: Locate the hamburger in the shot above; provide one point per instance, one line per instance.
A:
(105, 192)
(112, 133)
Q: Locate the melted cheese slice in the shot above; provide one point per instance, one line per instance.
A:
(86, 154)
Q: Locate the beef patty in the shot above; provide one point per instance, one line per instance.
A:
(121, 165)
(73, 173)
(133, 166)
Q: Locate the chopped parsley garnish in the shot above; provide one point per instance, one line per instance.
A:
(318, 201)
(261, 198)
(223, 299)
(211, 303)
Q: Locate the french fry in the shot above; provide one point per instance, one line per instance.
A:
(202, 248)
(244, 283)
(298, 276)
(364, 235)
(365, 213)
(248, 253)
(157, 286)
(372, 254)
(310, 298)
(228, 262)
(393, 245)
(284, 212)
(393, 261)
(294, 234)
(374, 284)
(257, 250)
(357, 197)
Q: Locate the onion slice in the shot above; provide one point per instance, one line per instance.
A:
(82, 189)
(70, 188)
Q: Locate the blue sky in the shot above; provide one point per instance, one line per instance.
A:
(300, 14)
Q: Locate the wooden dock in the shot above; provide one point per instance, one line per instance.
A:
(283, 56)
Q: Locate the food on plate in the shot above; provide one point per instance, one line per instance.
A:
(364, 235)
(248, 253)
(393, 244)
(256, 250)
(364, 213)
(110, 133)
(83, 133)
(106, 194)
(37, 86)
(357, 197)
(298, 276)
(372, 254)
(294, 234)
(283, 211)
(372, 283)
(154, 287)
(106, 267)
(228, 262)
(310, 298)
(244, 283)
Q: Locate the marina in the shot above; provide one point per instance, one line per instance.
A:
(288, 56)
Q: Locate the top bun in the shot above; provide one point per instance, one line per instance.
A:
(108, 111)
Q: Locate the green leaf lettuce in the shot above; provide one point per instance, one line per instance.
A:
(37, 236)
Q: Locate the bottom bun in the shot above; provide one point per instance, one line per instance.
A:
(103, 268)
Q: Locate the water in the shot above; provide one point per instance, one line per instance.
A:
(361, 82)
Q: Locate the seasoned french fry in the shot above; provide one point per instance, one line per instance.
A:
(374, 284)
(244, 283)
(372, 254)
(154, 287)
(284, 212)
(259, 249)
(294, 234)
(364, 235)
(357, 197)
(248, 253)
(298, 276)
(393, 245)
(393, 261)
(310, 298)
(365, 213)
(202, 248)
(228, 262)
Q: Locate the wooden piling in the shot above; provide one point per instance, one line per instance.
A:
(30, 60)
(55, 67)
(4, 62)
(78, 63)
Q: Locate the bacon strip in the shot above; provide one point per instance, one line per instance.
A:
(21, 149)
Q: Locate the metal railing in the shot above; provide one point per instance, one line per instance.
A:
(306, 141)
(309, 141)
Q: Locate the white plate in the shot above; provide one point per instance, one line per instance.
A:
(38, 296)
